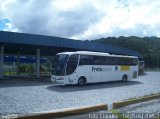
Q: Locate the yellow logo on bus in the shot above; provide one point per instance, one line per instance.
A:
(125, 68)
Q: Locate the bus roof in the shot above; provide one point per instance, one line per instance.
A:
(96, 54)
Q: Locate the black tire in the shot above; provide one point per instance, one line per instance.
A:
(125, 78)
(81, 81)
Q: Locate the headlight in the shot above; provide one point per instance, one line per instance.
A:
(61, 78)
(70, 80)
(53, 77)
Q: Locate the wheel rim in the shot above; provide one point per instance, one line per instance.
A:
(81, 82)
(124, 78)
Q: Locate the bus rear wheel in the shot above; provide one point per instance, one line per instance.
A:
(125, 78)
(81, 81)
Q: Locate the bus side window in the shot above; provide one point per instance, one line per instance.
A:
(86, 60)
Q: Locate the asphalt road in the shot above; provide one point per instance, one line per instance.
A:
(22, 96)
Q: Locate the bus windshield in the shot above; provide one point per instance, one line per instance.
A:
(59, 64)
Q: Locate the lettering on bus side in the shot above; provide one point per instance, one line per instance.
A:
(96, 69)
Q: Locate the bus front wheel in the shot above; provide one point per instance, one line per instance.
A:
(125, 78)
(81, 81)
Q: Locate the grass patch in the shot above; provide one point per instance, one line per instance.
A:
(152, 94)
(118, 114)
(8, 73)
(130, 101)
(123, 116)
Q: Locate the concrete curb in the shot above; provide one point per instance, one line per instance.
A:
(65, 112)
(86, 109)
(133, 101)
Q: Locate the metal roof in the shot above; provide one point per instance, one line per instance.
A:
(27, 43)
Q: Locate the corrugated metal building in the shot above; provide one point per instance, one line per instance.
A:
(27, 43)
(22, 43)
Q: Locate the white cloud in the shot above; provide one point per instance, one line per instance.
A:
(83, 19)
(127, 19)
(10, 27)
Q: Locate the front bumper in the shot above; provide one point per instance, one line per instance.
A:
(58, 80)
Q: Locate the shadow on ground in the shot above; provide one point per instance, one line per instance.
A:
(73, 88)
(142, 74)
(21, 83)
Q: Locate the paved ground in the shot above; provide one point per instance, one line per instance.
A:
(152, 106)
(146, 110)
(18, 96)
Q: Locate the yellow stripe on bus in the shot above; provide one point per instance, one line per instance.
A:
(125, 68)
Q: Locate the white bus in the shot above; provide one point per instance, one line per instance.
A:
(83, 67)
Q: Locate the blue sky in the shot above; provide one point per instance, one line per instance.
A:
(3, 23)
(82, 19)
